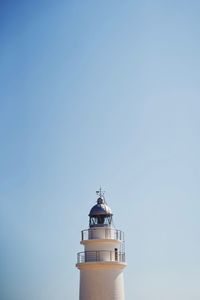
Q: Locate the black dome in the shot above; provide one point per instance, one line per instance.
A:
(101, 208)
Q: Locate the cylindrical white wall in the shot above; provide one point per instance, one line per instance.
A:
(101, 284)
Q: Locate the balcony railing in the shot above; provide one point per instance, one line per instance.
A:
(100, 256)
(102, 233)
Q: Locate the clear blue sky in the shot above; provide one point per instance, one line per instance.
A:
(99, 92)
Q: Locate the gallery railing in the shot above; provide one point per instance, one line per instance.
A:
(100, 256)
(102, 233)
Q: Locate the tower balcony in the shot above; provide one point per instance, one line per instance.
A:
(100, 256)
(96, 233)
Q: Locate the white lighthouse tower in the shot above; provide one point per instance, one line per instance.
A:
(103, 260)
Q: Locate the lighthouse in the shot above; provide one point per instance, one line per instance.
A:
(102, 262)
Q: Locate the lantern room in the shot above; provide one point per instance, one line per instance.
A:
(100, 215)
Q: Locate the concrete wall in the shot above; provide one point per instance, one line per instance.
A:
(101, 284)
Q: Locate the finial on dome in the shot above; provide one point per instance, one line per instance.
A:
(100, 193)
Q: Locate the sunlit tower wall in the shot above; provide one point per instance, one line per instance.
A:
(102, 262)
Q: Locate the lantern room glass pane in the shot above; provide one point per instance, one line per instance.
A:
(100, 221)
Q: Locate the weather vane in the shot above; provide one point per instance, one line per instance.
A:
(100, 193)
